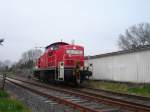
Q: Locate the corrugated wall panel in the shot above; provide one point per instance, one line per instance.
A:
(144, 66)
(128, 67)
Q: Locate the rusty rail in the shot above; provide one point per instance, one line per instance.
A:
(100, 98)
(60, 100)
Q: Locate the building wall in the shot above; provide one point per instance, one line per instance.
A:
(127, 67)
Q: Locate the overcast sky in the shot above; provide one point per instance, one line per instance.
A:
(94, 24)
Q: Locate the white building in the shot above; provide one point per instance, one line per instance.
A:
(123, 66)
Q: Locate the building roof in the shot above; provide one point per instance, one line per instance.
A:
(146, 47)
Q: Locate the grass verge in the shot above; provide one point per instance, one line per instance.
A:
(11, 105)
(136, 89)
(3, 94)
(142, 90)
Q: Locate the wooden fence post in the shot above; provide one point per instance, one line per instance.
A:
(3, 81)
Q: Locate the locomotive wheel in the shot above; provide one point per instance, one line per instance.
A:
(39, 78)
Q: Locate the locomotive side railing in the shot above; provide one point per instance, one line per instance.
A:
(51, 61)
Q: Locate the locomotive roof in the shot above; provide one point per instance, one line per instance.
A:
(56, 43)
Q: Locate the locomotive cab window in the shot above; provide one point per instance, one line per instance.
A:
(56, 47)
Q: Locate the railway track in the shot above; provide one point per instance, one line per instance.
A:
(78, 102)
(84, 99)
(122, 96)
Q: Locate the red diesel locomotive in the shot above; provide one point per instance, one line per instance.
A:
(62, 62)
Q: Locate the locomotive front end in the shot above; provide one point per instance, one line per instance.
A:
(74, 64)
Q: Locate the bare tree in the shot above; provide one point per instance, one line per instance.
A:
(4, 67)
(29, 58)
(32, 54)
(134, 37)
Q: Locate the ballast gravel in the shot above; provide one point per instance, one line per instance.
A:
(36, 102)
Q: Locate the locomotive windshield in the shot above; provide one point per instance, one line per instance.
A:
(54, 47)
(77, 52)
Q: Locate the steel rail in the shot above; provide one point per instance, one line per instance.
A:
(58, 99)
(123, 103)
(119, 93)
(101, 98)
